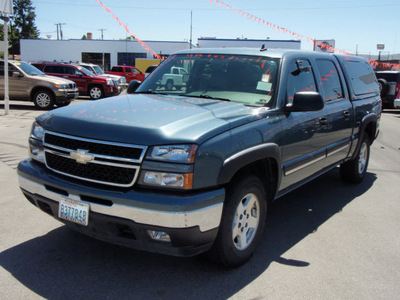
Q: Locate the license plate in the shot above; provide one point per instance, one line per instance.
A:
(74, 211)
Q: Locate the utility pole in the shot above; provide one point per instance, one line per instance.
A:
(191, 29)
(5, 17)
(101, 29)
(61, 34)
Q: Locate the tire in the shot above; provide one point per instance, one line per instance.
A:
(43, 99)
(242, 223)
(383, 86)
(169, 85)
(354, 170)
(96, 92)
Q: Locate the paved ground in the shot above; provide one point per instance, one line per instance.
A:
(327, 240)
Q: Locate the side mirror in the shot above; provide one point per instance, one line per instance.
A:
(132, 86)
(17, 74)
(306, 101)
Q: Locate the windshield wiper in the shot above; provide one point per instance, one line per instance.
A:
(204, 96)
(151, 92)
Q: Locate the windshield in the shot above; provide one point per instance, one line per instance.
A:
(98, 70)
(250, 80)
(28, 69)
(84, 70)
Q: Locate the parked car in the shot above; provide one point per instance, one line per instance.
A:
(396, 102)
(88, 83)
(27, 83)
(120, 81)
(193, 170)
(174, 78)
(389, 86)
(149, 70)
(129, 72)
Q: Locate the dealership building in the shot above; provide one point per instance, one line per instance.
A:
(109, 53)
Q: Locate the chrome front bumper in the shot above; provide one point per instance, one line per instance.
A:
(206, 218)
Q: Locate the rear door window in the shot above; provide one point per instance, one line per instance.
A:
(117, 69)
(54, 69)
(329, 80)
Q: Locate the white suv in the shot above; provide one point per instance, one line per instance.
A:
(119, 80)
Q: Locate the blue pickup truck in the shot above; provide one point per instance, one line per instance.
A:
(187, 170)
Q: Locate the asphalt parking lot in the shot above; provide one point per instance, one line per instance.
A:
(326, 240)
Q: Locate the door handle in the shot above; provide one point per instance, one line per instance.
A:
(323, 121)
(346, 114)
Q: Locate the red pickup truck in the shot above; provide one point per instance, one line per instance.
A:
(129, 72)
(87, 83)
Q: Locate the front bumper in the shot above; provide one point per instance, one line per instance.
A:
(66, 95)
(110, 90)
(124, 217)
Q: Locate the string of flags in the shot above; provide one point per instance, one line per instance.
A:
(253, 18)
(250, 17)
(121, 24)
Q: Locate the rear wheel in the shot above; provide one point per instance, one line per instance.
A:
(354, 170)
(96, 92)
(169, 85)
(383, 86)
(242, 224)
(43, 99)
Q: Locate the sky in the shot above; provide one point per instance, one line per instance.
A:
(356, 25)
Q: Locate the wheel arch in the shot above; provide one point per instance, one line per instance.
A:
(38, 88)
(90, 85)
(368, 127)
(262, 160)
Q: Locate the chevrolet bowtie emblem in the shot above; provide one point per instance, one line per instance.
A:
(81, 156)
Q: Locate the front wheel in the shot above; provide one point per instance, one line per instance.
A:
(43, 100)
(354, 170)
(95, 92)
(242, 224)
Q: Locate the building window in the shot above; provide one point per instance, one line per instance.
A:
(101, 59)
(128, 58)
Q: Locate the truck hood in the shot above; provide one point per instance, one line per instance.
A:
(110, 76)
(149, 119)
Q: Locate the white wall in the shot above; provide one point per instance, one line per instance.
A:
(71, 50)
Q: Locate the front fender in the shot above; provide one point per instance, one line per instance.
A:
(246, 157)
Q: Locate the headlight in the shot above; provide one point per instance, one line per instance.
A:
(165, 179)
(62, 86)
(36, 150)
(173, 153)
(37, 131)
(110, 82)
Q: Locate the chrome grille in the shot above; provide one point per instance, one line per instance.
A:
(96, 161)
